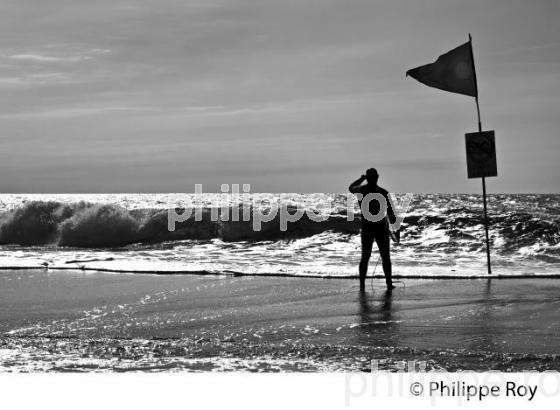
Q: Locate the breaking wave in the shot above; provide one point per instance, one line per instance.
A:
(104, 226)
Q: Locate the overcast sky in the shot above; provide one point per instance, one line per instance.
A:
(285, 95)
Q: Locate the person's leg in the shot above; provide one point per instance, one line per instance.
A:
(384, 244)
(367, 243)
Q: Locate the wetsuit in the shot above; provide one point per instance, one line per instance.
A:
(375, 230)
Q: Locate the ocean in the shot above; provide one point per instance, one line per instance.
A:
(442, 235)
(78, 290)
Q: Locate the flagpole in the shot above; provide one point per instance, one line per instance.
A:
(483, 178)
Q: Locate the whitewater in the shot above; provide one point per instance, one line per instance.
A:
(442, 235)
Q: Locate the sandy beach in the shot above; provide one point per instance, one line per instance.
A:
(78, 321)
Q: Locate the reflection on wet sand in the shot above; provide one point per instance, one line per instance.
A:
(378, 325)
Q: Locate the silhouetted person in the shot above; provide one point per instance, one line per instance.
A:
(375, 226)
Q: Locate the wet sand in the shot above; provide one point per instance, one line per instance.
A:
(86, 321)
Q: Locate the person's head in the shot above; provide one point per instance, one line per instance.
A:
(372, 176)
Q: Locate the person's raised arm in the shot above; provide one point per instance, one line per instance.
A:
(354, 186)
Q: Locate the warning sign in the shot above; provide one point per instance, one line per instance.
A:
(481, 154)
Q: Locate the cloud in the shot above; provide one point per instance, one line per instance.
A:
(36, 79)
(276, 107)
(11, 81)
(60, 65)
(56, 54)
(293, 106)
(71, 112)
(40, 58)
